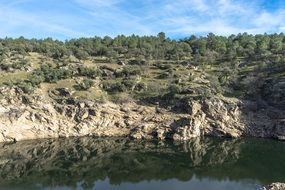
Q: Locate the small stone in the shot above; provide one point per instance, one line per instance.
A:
(160, 134)
(82, 105)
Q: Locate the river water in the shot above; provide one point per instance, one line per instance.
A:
(121, 164)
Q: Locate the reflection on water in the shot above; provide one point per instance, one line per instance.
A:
(87, 163)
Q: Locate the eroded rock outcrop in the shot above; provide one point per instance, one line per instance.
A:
(36, 116)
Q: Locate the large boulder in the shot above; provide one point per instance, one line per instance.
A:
(275, 186)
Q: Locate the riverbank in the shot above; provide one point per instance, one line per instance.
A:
(38, 116)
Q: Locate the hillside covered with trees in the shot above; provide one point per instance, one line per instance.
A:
(149, 68)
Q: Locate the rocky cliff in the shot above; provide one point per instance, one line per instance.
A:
(37, 116)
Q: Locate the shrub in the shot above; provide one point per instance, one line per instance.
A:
(107, 68)
(9, 83)
(137, 62)
(215, 83)
(88, 72)
(163, 66)
(128, 71)
(141, 86)
(57, 74)
(174, 89)
(21, 64)
(5, 66)
(35, 80)
(121, 98)
(114, 87)
(129, 84)
(26, 86)
(80, 54)
(84, 85)
(51, 74)
(123, 86)
(165, 75)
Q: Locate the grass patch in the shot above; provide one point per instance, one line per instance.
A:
(13, 77)
(91, 94)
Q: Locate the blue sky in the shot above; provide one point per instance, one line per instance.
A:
(65, 19)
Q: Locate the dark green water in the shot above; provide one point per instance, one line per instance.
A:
(86, 163)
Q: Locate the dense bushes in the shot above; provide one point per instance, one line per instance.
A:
(5, 66)
(128, 71)
(50, 74)
(113, 87)
(119, 86)
(18, 65)
(22, 64)
(88, 72)
(26, 86)
(174, 89)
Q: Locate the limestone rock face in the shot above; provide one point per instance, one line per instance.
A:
(36, 116)
(187, 129)
(226, 120)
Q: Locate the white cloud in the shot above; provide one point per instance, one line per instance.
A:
(184, 6)
(270, 19)
(186, 17)
(267, 22)
(214, 26)
(222, 17)
(228, 7)
(148, 17)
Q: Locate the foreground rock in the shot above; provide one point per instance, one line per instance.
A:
(36, 116)
(275, 186)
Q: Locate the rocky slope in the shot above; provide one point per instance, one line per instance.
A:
(37, 116)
